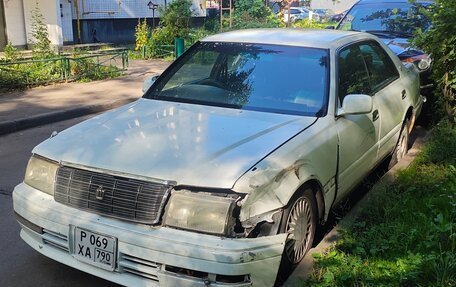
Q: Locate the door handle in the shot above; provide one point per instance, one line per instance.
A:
(404, 94)
(375, 115)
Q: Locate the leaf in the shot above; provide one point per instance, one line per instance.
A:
(328, 277)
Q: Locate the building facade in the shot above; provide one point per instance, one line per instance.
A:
(337, 6)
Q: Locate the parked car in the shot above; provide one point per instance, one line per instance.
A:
(299, 13)
(222, 171)
(323, 14)
(337, 17)
(394, 21)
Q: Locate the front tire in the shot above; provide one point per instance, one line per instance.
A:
(299, 220)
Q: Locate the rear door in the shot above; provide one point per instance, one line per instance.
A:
(389, 93)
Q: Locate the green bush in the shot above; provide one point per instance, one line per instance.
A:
(212, 25)
(440, 42)
(253, 14)
(160, 38)
(21, 75)
(195, 35)
(309, 24)
(177, 18)
(10, 52)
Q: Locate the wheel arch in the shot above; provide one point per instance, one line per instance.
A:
(410, 115)
(317, 190)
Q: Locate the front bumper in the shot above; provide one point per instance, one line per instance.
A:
(146, 255)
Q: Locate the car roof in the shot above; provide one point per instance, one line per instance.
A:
(391, 1)
(291, 37)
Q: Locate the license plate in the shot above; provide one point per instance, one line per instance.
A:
(94, 248)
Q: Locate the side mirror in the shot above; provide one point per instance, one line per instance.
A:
(356, 104)
(330, 27)
(149, 81)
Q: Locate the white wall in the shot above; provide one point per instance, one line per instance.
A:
(15, 26)
(51, 13)
(117, 9)
(337, 6)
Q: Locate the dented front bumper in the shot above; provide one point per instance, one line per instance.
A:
(147, 255)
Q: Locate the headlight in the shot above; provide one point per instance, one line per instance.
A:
(40, 174)
(199, 212)
(423, 61)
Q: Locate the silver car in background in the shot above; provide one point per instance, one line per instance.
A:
(222, 172)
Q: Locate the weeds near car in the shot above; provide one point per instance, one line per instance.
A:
(406, 234)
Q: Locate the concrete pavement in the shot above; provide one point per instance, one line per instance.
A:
(42, 105)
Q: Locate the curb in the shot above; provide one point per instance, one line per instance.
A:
(305, 268)
(47, 118)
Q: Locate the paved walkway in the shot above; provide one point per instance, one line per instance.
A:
(42, 105)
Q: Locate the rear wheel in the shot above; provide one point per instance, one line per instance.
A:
(299, 220)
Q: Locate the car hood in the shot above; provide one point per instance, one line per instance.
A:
(189, 144)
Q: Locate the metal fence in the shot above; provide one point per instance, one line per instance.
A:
(64, 67)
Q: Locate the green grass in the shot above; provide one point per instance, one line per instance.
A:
(406, 234)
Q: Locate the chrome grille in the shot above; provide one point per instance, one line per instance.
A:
(130, 199)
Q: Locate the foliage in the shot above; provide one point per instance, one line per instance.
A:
(253, 14)
(310, 24)
(406, 233)
(160, 38)
(39, 33)
(212, 25)
(195, 35)
(141, 34)
(26, 73)
(10, 52)
(177, 18)
(440, 42)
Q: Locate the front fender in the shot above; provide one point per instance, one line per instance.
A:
(311, 155)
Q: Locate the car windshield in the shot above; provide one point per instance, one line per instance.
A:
(402, 18)
(269, 78)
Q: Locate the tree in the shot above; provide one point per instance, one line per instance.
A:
(40, 35)
(440, 42)
(176, 18)
(253, 14)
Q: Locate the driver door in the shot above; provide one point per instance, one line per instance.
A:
(358, 134)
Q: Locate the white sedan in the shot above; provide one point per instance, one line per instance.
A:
(222, 171)
(299, 13)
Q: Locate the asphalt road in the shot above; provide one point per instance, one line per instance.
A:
(20, 265)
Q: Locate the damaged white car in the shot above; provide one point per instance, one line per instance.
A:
(223, 170)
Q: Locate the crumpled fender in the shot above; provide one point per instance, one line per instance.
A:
(311, 155)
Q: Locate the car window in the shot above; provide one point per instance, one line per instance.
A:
(197, 68)
(399, 17)
(271, 78)
(353, 73)
(379, 65)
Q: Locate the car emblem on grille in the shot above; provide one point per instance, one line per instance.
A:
(99, 193)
